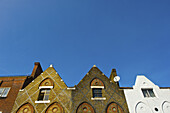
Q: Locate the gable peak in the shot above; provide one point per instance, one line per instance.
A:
(51, 65)
(94, 65)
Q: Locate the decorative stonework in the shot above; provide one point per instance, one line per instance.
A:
(26, 108)
(55, 108)
(114, 108)
(47, 82)
(85, 108)
(74, 100)
(97, 82)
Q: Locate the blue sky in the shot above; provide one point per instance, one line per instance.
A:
(130, 35)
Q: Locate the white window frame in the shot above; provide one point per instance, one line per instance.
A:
(45, 88)
(3, 91)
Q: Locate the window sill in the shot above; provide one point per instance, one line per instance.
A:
(41, 101)
(97, 87)
(44, 87)
(99, 98)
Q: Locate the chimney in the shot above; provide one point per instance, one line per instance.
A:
(37, 70)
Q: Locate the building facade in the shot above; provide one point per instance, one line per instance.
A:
(48, 93)
(146, 97)
(11, 85)
(9, 88)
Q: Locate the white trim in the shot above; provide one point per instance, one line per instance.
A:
(99, 98)
(41, 87)
(97, 87)
(71, 88)
(43, 101)
(19, 90)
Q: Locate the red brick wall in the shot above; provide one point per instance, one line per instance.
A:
(15, 83)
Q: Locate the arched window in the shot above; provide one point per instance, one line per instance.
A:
(26, 108)
(114, 108)
(45, 87)
(85, 108)
(46, 83)
(97, 86)
(55, 108)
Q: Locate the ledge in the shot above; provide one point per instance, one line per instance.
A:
(21, 90)
(71, 88)
(98, 98)
(43, 87)
(41, 101)
(97, 87)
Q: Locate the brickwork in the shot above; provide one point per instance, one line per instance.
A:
(58, 94)
(110, 92)
(15, 84)
(79, 99)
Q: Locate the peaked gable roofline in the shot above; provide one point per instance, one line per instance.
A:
(95, 67)
(52, 67)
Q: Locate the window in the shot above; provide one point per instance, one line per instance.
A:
(44, 95)
(97, 92)
(4, 92)
(148, 93)
(97, 87)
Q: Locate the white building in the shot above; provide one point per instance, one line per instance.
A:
(146, 97)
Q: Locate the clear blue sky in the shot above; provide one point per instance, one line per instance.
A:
(132, 36)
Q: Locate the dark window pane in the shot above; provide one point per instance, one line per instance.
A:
(144, 93)
(44, 94)
(151, 93)
(97, 92)
(148, 93)
(41, 95)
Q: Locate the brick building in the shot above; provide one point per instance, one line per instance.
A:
(11, 85)
(48, 93)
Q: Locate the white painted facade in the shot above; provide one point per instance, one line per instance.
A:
(137, 103)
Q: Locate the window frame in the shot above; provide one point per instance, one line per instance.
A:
(97, 92)
(45, 94)
(93, 87)
(4, 92)
(148, 93)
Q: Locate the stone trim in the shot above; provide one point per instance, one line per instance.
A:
(47, 101)
(71, 88)
(97, 87)
(102, 98)
(43, 87)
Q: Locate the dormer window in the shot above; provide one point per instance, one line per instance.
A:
(45, 88)
(4, 91)
(148, 93)
(97, 87)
